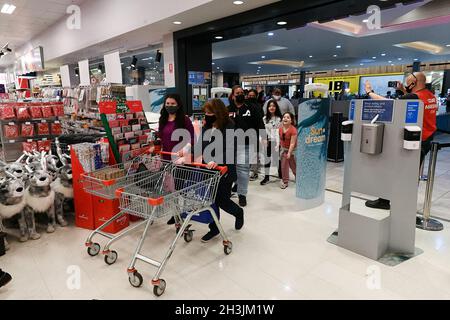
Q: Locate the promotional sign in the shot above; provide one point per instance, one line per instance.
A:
(412, 112)
(135, 106)
(107, 107)
(383, 108)
(313, 124)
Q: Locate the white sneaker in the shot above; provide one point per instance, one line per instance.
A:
(283, 185)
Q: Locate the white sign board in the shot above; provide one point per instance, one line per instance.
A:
(113, 68)
(85, 79)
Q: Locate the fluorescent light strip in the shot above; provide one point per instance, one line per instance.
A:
(8, 8)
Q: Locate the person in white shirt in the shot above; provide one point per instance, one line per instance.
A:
(272, 122)
(284, 104)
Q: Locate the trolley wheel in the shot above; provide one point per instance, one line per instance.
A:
(188, 236)
(93, 250)
(159, 290)
(135, 279)
(228, 248)
(111, 258)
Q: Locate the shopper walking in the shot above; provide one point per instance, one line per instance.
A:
(172, 118)
(250, 121)
(252, 100)
(5, 278)
(272, 121)
(415, 89)
(217, 118)
(284, 104)
(288, 144)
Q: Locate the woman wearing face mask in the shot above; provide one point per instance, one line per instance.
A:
(173, 118)
(218, 125)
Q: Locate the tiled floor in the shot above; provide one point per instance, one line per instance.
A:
(280, 254)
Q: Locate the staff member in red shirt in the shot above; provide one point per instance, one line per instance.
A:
(415, 89)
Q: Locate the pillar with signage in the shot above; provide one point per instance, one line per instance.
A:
(312, 126)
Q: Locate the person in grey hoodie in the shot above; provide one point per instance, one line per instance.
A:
(284, 104)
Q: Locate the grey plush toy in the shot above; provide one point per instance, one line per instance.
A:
(63, 190)
(12, 203)
(40, 197)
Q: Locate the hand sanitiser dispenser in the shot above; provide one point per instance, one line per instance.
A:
(347, 130)
(411, 137)
(372, 138)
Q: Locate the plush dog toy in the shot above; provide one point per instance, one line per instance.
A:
(63, 190)
(12, 203)
(40, 197)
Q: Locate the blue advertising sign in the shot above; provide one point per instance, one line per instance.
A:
(383, 108)
(312, 145)
(352, 110)
(412, 112)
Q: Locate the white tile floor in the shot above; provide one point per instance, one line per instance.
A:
(280, 254)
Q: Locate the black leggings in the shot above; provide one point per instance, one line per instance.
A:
(223, 200)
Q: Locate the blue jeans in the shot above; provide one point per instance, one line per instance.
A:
(242, 170)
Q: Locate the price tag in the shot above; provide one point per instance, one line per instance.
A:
(43, 121)
(12, 141)
(27, 123)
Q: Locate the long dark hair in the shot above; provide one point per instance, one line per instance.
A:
(217, 107)
(180, 120)
(277, 111)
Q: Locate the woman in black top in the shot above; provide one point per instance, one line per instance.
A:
(217, 118)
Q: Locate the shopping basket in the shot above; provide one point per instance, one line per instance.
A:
(186, 189)
(97, 183)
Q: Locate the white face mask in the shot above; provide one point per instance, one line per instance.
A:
(277, 98)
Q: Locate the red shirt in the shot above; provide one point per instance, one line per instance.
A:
(285, 137)
(429, 113)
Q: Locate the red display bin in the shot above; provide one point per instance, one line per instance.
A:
(104, 210)
(84, 216)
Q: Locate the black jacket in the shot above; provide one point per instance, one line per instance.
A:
(247, 117)
(228, 150)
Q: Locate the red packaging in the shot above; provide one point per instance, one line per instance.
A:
(43, 129)
(27, 129)
(44, 146)
(47, 111)
(58, 110)
(36, 112)
(7, 112)
(23, 114)
(56, 129)
(11, 130)
(29, 146)
(114, 124)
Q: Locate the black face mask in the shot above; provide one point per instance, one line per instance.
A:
(172, 109)
(240, 99)
(252, 100)
(410, 87)
(210, 120)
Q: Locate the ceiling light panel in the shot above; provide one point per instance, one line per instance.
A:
(421, 46)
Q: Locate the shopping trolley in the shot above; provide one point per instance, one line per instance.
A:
(97, 184)
(186, 189)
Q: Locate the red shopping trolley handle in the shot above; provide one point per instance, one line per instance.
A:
(222, 169)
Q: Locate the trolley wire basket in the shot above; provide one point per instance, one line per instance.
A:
(104, 182)
(171, 192)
